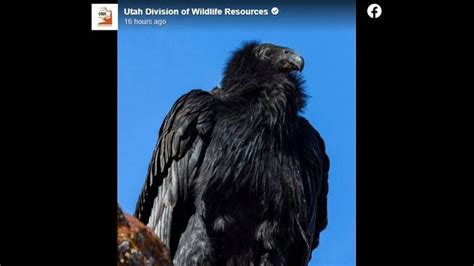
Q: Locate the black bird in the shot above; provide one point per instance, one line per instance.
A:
(237, 176)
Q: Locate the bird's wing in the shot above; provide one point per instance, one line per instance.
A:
(176, 159)
(316, 170)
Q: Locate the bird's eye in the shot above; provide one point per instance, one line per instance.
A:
(267, 53)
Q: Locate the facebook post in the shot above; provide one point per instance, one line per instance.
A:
(236, 133)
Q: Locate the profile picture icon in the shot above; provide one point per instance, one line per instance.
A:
(105, 16)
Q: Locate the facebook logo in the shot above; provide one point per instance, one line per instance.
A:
(374, 11)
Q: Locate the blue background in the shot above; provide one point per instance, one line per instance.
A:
(158, 64)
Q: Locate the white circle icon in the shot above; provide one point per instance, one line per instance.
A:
(275, 11)
(374, 11)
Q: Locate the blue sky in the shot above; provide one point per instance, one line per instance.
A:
(158, 64)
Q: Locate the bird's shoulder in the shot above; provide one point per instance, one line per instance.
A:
(181, 140)
(196, 104)
(309, 134)
(313, 153)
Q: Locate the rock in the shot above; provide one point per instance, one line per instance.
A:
(137, 244)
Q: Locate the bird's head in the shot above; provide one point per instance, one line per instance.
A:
(279, 58)
(257, 67)
(255, 61)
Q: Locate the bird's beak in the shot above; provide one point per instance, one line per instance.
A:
(293, 60)
(296, 61)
